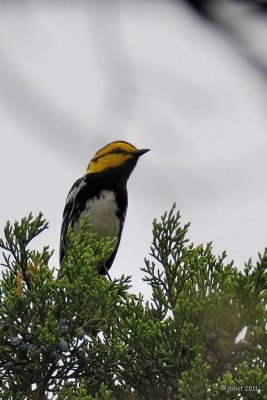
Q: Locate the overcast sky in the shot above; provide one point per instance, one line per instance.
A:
(75, 76)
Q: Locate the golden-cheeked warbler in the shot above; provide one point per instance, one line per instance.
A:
(102, 193)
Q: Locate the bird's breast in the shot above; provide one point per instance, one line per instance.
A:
(103, 211)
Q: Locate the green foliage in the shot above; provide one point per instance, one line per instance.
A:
(78, 335)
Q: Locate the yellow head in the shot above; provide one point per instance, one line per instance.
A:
(113, 155)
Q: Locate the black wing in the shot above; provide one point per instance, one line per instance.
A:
(68, 215)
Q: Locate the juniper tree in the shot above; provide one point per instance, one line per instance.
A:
(77, 335)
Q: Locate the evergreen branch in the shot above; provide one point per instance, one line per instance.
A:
(79, 336)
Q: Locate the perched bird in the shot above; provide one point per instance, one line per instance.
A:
(102, 193)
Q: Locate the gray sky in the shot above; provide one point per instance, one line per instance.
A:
(77, 75)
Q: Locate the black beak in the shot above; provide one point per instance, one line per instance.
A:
(140, 152)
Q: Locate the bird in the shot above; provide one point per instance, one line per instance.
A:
(102, 193)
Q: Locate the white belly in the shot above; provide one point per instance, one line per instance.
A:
(103, 215)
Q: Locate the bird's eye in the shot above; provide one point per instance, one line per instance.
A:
(117, 150)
